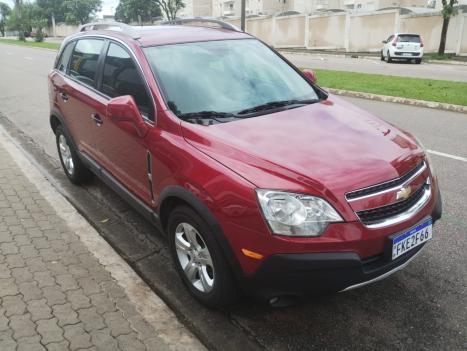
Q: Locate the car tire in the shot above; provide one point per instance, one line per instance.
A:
(389, 58)
(418, 61)
(199, 259)
(74, 168)
(382, 56)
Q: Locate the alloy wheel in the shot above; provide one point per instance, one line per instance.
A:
(194, 257)
(65, 154)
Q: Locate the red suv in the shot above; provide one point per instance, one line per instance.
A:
(262, 182)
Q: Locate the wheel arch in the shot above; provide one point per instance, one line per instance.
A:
(56, 119)
(174, 196)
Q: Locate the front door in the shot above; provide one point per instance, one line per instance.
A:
(121, 151)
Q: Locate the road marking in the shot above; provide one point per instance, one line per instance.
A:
(454, 157)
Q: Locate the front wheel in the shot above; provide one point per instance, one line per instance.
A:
(418, 61)
(199, 259)
(74, 169)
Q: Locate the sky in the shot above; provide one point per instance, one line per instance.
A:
(108, 6)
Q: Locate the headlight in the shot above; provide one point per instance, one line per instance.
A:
(296, 214)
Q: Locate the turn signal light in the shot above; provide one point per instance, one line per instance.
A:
(251, 254)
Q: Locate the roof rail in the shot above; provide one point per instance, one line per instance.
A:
(119, 26)
(221, 24)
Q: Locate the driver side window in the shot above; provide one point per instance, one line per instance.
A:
(121, 77)
(84, 60)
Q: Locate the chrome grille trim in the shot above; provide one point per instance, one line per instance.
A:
(400, 183)
(405, 215)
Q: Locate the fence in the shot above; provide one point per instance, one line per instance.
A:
(345, 31)
(357, 32)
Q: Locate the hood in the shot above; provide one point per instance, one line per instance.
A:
(325, 149)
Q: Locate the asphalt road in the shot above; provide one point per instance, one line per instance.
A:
(423, 307)
(375, 66)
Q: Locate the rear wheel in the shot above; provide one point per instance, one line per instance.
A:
(74, 169)
(389, 58)
(418, 61)
(199, 259)
(382, 56)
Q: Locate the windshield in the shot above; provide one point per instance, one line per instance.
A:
(226, 77)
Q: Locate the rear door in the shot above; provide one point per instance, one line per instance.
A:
(79, 96)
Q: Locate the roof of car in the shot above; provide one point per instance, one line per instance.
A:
(170, 34)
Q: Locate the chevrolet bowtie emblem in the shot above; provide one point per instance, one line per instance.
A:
(404, 193)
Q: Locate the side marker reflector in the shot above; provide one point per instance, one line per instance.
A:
(252, 254)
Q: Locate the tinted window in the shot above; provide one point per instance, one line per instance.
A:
(63, 62)
(84, 60)
(121, 77)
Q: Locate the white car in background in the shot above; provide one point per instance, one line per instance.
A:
(402, 46)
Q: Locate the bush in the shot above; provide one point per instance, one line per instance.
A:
(39, 38)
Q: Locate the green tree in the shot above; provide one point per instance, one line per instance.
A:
(26, 17)
(52, 9)
(449, 10)
(170, 7)
(80, 11)
(131, 10)
(5, 11)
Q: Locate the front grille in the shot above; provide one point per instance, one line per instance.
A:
(386, 185)
(376, 215)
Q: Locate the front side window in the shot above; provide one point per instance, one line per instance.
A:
(65, 58)
(121, 77)
(84, 60)
(225, 76)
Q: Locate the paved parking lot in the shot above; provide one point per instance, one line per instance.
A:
(423, 307)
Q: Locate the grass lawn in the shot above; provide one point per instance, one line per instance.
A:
(413, 88)
(44, 44)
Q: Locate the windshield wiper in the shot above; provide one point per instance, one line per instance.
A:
(276, 104)
(207, 115)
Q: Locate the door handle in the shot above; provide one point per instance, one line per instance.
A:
(64, 97)
(96, 118)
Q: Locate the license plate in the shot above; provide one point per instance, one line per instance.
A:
(406, 54)
(412, 238)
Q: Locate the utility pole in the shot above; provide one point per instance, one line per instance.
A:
(242, 15)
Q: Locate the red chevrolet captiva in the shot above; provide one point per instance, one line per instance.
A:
(261, 181)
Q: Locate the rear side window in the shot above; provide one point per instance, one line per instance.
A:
(84, 60)
(408, 39)
(121, 77)
(65, 58)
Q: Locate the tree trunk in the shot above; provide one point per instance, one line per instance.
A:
(444, 32)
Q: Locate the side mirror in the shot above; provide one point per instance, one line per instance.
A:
(123, 111)
(310, 76)
(384, 41)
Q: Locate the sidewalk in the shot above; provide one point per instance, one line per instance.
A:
(62, 287)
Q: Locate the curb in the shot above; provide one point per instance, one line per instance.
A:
(400, 100)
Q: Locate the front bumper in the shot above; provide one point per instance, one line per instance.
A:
(299, 274)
